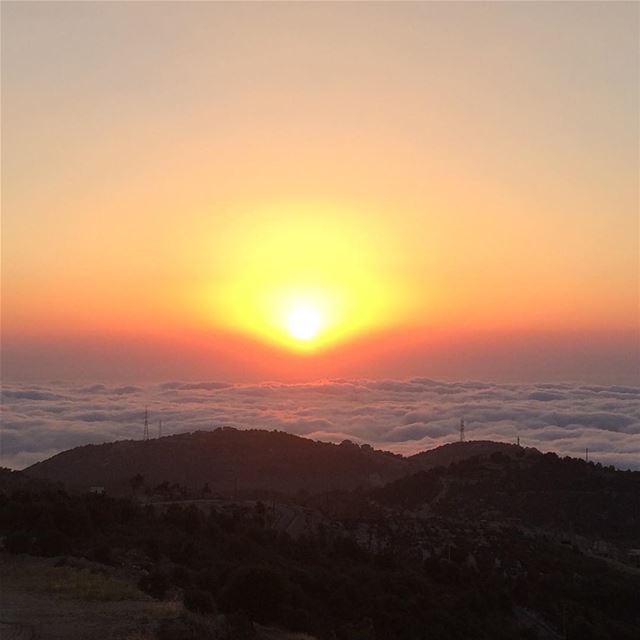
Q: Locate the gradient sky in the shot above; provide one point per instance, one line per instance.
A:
(454, 186)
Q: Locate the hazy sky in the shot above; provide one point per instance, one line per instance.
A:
(450, 189)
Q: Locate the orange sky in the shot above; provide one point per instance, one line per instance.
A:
(384, 180)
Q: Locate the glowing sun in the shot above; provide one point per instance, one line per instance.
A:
(304, 321)
(303, 277)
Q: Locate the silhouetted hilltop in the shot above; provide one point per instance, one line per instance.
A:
(230, 460)
(454, 452)
(534, 489)
(227, 460)
(11, 481)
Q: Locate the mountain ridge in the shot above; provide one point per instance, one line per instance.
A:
(227, 459)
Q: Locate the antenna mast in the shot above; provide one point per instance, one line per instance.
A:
(462, 430)
(146, 424)
(159, 428)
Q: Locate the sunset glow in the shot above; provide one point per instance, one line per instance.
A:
(304, 276)
(419, 197)
(292, 291)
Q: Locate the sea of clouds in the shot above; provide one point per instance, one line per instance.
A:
(405, 416)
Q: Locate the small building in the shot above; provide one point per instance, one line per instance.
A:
(97, 490)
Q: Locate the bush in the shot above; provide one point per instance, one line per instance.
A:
(208, 580)
(53, 543)
(260, 591)
(297, 619)
(191, 627)
(362, 630)
(199, 601)
(155, 584)
(102, 554)
(18, 542)
(240, 627)
(181, 577)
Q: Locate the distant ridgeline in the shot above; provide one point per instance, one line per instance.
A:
(231, 460)
(471, 480)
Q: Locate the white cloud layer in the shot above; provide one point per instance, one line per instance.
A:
(405, 416)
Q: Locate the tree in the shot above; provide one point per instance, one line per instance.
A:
(136, 482)
(155, 584)
(199, 601)
(260, 591)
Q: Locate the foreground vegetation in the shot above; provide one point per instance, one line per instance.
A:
(232, 569)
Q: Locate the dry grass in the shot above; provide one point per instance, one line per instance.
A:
(82, 584)
(39, 575)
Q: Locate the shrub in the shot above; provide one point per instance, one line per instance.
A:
(102, 554)
(191, 627)
(53, 543)
(155, 584)
(208, 580)
(260, 591)
(199, 601)
(181, 577)
(18, 542)
(240, 627)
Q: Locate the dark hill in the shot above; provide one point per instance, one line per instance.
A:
(530, 488)
(12, 481)
(231, 460)
(228, 460)
(454, 452)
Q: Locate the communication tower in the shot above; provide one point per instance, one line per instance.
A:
(146, 424)
(462, 430)
(159, 428)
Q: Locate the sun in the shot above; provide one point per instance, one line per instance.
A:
(304, 321)
(304, 277)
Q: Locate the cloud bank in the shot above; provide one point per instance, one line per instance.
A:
(405, 416)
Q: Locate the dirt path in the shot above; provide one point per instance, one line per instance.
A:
(26, 616)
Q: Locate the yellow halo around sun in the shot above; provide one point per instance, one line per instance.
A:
(303, 276)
